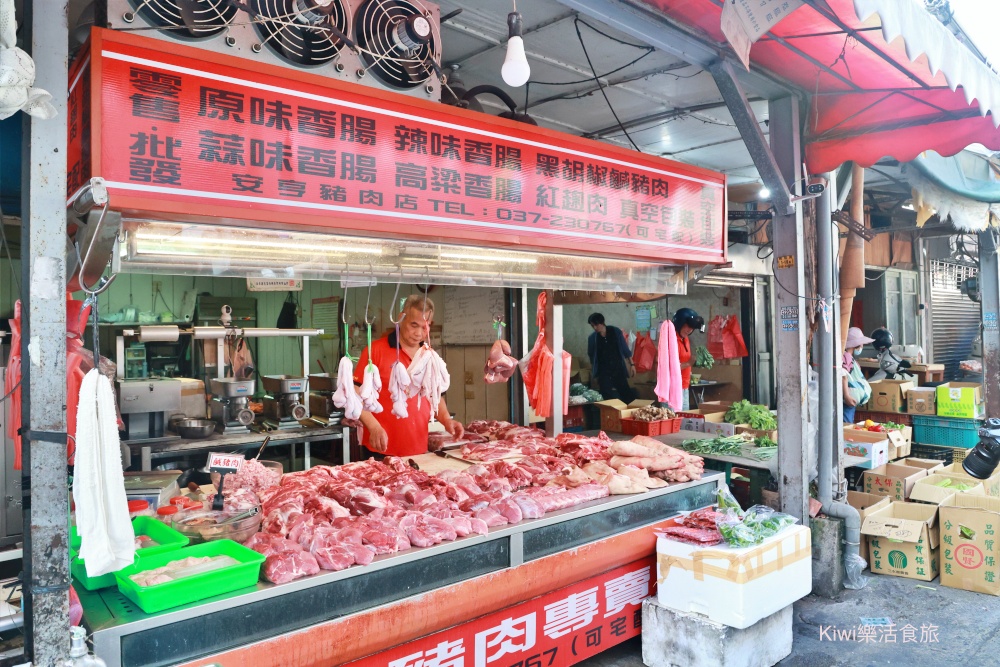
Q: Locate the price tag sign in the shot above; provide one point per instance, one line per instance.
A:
(225, 463)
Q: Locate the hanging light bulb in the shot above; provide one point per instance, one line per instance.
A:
(764, 192)
(515, 70)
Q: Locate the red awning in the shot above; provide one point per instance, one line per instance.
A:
(868, 100)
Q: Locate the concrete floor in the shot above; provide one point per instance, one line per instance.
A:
(966, 627)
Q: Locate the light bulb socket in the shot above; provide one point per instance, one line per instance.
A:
(514, 24)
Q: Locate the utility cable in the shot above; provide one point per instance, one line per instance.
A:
(579, 35)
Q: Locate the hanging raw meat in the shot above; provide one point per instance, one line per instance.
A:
(428, 376)
(536, 369)
(370, 388)
(346, 398)
(500, 366)
(399, 382)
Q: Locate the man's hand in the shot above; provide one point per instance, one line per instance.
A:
(455, 428)
(631, 370)
(378, 439)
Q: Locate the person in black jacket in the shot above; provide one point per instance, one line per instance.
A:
(610, 360)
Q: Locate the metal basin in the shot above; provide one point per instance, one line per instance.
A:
(322, 382)
(194, 429)
(231, 387)
(284, 384)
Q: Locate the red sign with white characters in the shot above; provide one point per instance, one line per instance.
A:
(561, 628)
(186, 134)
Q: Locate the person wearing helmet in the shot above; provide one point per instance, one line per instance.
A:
(889, 365)
(857, 391)
(610, 360)
(686, 321)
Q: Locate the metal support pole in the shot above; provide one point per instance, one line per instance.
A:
(790, 338)
(554, 339)
(989, 286)
(826, 359)
(43, 349)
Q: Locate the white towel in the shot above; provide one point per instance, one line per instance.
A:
(102, 520)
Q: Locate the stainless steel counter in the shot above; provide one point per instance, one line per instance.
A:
(126, 637)
(148, 451)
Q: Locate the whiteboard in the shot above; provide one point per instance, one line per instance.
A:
(468, 315)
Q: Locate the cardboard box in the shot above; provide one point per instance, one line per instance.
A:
(716, 406)
(970, 557)
(921, 401)
(889, 395)
(991, 485)
(692, 424)
(892, 480)
(903, 539)
(612, 412)
(900, 441)
(930, 489)
(961, 399)
(736, 587)
(930, 465)
(872, 447)
(866, 503)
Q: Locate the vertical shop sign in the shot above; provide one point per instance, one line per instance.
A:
(561, 628)
(229, 138)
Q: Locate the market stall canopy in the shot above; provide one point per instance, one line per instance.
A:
(883, 77)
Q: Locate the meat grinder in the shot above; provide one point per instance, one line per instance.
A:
(284, 401)
(231, 404)
(321, 389)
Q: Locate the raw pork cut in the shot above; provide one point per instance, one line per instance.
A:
(285, 567)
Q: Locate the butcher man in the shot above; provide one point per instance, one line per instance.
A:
(385, 433)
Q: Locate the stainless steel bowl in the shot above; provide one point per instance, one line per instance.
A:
(194, 429)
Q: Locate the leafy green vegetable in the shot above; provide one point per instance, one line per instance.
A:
(765, 441)
(703, 358)
(757, 416)
(726, 501)
(727, 445)
(966, 532)
(754, 526)
(577, 389)
(765, 453)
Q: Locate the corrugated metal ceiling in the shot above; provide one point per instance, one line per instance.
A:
(670, 108)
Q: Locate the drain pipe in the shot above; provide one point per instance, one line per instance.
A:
(829, 374)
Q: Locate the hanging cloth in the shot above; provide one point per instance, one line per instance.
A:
(107, 541)
(669, 383)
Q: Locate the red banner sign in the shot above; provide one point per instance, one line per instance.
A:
(192, 135)
(562, 628)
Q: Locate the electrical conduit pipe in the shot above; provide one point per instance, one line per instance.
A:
(829, 374)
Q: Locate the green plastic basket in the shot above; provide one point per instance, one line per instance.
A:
(946, 431)
(167, 539)
(152, 599)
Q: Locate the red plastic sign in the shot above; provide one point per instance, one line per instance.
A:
(190, 135)
(561, 628)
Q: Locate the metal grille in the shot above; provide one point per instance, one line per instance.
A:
(955, 318)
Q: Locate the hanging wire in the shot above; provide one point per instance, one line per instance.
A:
(343, 318)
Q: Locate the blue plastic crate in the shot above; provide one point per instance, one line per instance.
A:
(946, 431)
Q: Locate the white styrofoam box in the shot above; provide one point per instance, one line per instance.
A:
(692, 424)
(735, 587)
(722, 429)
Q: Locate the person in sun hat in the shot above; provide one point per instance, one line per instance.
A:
(857, 391)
